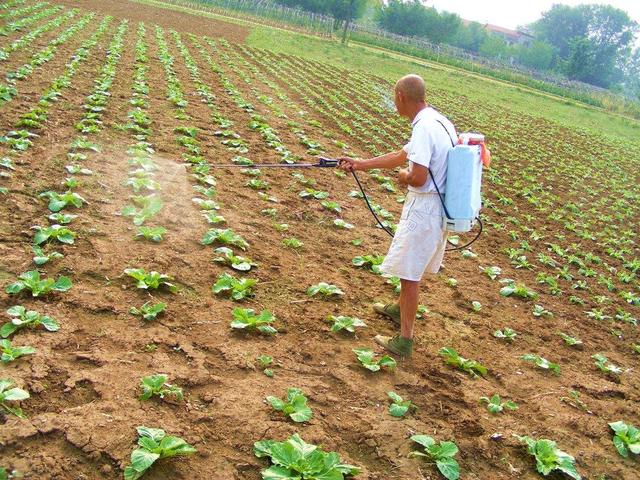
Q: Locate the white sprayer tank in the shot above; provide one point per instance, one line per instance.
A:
(464, 179)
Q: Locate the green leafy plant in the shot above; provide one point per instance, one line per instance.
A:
(399, 407)
(331, 206)
(506, 334)
(345, 323)
(338, 222)
(293, 406)
(265, 361)
(549, 457)
(225, 237)
(476, 306)
(154, 444)
(496, 405)
(517, 290)
(540, 311)
(11, 353)
(149, 207)
(156, 385)
(55, 232)
(227, 257)
(367, 360)
(311, 193)
(441, 453)
(369, 262)
(58, 201)
(491, 272)
(238, 289)
(569, 340)
(151, 233)
(626, 438)
(605, 366)
(245, 318)
(150, 280)
(37, 286)
(292, 243)
(40, 257)
(9, 394)
(294, 459)
(149, 310)
(325, 290)
(23, 318)
(472, 367)
(541, 363)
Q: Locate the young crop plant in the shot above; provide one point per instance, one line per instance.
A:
(331, 206)
(369, 262)
(399, 407)
(541, 363)
(540, 311)
(23, 318)
(367, 359)
(59, 201)
(569, 340)
(227, 257)
(496, 405)
(12, 394)
(54, 232)
(491, 272)
(11, 353)
(441, 453)
(339, 223)
(154, 444)
(40, 257)
(293, 406)
(149, 310)
(345, 323)
(265, 361)
(156, 385)
(294, 459)
(316, 194)
(626, 438)
(149, 207)
(151, 280)
(292, 243)
(605, 366)
(238, 289)
(549, 457)
(225, 237)
(37, 286)
(324, 290)
(246, 319)
(257, 184)
(518, 290)
(472, 367)
(153, 234)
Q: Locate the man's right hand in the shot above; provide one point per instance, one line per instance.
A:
(349, 164)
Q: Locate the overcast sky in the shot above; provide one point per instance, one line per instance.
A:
(513, 13)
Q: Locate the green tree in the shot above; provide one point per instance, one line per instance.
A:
(412, 18)
(346, 11)
(470, 37)
(495, 47)
(539, 55)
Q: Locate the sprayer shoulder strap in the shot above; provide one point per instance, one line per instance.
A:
(433, 179)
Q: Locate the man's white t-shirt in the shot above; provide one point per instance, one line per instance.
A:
(429, 146)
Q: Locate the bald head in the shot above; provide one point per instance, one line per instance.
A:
(412, 88)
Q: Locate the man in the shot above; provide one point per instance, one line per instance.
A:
(420, 240)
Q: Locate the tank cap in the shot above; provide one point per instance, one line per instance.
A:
(471, 138)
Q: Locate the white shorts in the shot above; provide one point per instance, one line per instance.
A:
(420, 240)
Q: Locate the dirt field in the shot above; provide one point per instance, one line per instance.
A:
(84, 379)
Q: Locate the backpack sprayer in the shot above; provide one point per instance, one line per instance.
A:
(461, 203)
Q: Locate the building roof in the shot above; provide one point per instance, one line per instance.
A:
(502, 30)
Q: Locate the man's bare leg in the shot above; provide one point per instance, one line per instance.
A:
(409, 291)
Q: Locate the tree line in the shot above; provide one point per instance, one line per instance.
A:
(590, 43)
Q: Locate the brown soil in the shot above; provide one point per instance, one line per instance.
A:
(84, 379)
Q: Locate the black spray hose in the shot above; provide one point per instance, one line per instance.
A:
(366, 199)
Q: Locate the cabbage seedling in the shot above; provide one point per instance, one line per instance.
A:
(151, 233)
(311, 193)
(345, 323)
(149, 311)
(496, 405)
(517, 290)
(157, 385)
(292, 243)
(245, 318)
(442, 453)
(10, 353)
(569, 340)
(294, 459)
(293, 406)
(227, 257)
(331, 206)
(325, 290)
(57, 232)
(339, 223)
(58, 201)
(472, 367)
(626, 438)
(224, 236)
(541, 362)
(14, 394)
(23, 318)
(491, 272)
(154, 444)
(506, 334)
(549, 457)
(399, 407)
(152, 280)
(31, 281)
(605, 366)
(366, 358)
(369, 262)
(239, 289)
(40, 257)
